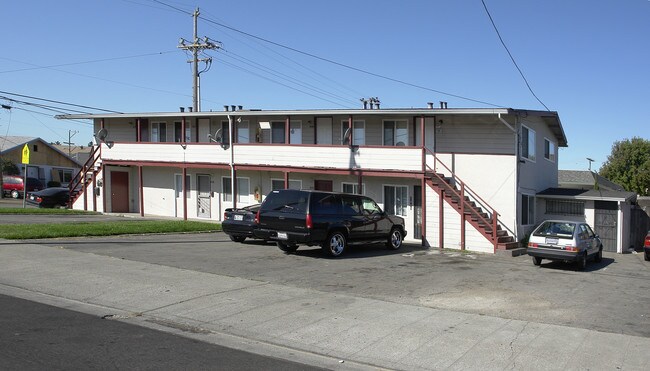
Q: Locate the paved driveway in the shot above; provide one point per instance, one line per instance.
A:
(611, 296)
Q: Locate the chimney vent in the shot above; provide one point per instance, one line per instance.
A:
(233, 108)
(182, 109)
(430, 105)
(239, 108)
(443, 105)
(225, 107)
(189, 109)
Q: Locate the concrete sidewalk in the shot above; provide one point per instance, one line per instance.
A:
(329, 330)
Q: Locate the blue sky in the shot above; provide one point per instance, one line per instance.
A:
(587, 59)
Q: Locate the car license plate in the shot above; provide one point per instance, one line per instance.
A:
(282, 235)
(551, 240)
(239, 217)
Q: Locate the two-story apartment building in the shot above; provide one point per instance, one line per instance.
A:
(461, 178)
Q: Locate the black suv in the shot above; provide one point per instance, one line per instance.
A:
(331, 220)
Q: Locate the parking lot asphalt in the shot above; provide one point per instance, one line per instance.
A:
(414, 308)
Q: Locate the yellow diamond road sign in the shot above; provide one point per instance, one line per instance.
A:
(26, 154)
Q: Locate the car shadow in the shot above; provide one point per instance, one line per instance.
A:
(564, 266)
(358, 251)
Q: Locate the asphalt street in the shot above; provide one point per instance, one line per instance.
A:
(411, 309)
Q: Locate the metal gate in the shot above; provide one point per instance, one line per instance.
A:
(605, 224)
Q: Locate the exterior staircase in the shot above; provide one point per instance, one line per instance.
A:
(78, 185)
(472, 208)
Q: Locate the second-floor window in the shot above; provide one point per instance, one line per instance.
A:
(158, 131)
(549, 150)
(358, 132)
(527, 143)
(277, 132)
(396, 133)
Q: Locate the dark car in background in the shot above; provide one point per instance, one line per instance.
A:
(565, 240)
(50, 197)
(239, 224)
(12, 185)
(646, 247)
(327, 219)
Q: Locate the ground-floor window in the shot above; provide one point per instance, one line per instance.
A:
(395, 199)
(527, 210)
(353, 188)
(564, 207)
(279, 184)
(243, 189)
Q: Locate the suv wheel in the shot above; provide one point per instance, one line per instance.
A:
(335, 244)
(15, 194)
(238, 238)
(394, 239)
(537, 260)
(286, 247)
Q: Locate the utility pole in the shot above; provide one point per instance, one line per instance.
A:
(198, 46)
(71, 133)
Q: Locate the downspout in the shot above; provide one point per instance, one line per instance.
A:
(516, 147)
(232, 164)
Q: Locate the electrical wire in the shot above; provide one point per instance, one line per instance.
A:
(58, 102)
(314, 56)
(510, 54)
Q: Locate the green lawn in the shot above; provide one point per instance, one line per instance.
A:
(33, 210)
(34, 231)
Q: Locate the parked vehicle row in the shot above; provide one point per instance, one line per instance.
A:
(13, 185)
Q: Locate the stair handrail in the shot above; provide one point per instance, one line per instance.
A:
(81, 174)
(471, 193)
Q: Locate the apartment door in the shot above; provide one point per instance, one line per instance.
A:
(119, 191)
(204, 199)
(605, 224)
(295, 132)
(417, 212)
(324, 130)
(323, 185)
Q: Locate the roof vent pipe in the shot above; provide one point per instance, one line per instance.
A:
(443, 105)
(430, 105)
(233, 108)
(365, 103)
(377, 104)
(225, 107)
(189, 109)
(182, 109)
(239, 108)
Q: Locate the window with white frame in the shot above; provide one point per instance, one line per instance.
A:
(395, 199)
(527, 209)
(358, 132)
(396, 133)
(527, 143)
(353, 188)
(549, 150)
(279, 184)
(277, 132)
(243, 133)
(158, 131)
(243, 189)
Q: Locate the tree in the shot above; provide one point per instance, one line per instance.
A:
(8, 168)
(629, 165)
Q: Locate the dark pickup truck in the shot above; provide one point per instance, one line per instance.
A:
(327, 219)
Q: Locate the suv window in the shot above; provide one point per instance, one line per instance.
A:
(370, 206)
(287, 201)
(325, 203)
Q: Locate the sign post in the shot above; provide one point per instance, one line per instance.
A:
(26, 162)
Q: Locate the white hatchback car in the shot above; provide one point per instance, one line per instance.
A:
(564, 240)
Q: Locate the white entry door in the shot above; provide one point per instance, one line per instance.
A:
(324, 130)
(295, 132)
(204, 191)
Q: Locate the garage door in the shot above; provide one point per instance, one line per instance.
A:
(606, 215)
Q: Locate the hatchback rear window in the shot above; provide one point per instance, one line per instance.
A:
(561, 229)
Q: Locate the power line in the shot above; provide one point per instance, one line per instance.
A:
(331, 61)
(511, 57)
(58, 102)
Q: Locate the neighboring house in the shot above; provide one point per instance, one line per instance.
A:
(79, 154)
(605, 205)
(423, 164)
(46, 162)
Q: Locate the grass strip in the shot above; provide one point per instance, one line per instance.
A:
(38, 211)
(55, 230)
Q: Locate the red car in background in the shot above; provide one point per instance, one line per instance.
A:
(12, 185)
